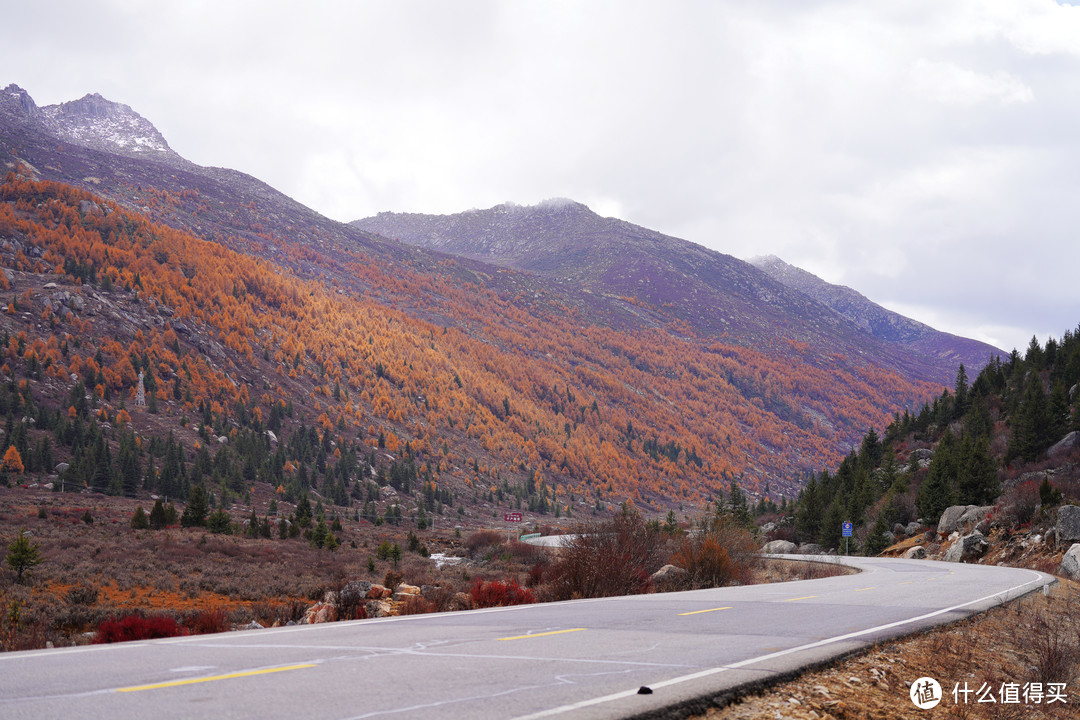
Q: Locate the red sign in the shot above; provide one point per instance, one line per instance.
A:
(512, 517)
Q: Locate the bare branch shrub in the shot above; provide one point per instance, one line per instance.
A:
(605, 559)
(721, 554)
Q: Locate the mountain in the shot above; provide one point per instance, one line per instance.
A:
(878, 321)
(595, 364)
(667, 278)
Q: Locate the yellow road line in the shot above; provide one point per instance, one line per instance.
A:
(698, 612)
(802, 598)
(535, 635)
(212, 678)
(869, 588)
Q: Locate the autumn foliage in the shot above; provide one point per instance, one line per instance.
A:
(137, 627)
(574, 408)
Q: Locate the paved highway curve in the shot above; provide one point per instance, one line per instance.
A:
(580, 659)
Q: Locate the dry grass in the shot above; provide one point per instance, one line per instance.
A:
(1036, 639)
(93, 571)
(778, 570)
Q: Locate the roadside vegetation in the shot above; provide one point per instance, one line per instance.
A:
(101, 572)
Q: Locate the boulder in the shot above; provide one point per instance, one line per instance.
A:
(378, 592)
(768, 528)
(354, 593)
(958, 516)
(915, 553)
(889, 537)
(779, 547)
(811, 549)
(967, 548)
(460, 601)
(1067, 528)
(1065, 445)
(378, 608)
(923, 453)
(912, 527)
(668, 576)
(320, 612)
(898, 530)
(1070, 564)
(404, 592)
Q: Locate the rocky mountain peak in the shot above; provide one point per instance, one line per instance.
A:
(16, 102)
(96, 122)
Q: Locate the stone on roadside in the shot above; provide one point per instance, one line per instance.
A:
(1067, 528)
(1070, 564)
(968, 547)
(779, 547)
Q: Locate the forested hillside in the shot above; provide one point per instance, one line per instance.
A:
(1003, 440)
(559, 415)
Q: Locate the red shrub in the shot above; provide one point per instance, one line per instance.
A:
(496, 594)
(214, 620)
(137, 627)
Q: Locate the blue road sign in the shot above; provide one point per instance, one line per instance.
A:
(846, 530)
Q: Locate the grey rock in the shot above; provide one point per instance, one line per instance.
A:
(889, 537)
(378, 608)
(912, 527)
(923, 453)
(1070, 564)
(768, 528)
(253, 625)
(915, 553)
(61, 467)
(779, 547)
(898, 530)
(668, 575)
(354, 593)
(968, 547)
(1065, 445)
(1067, 527)
(958, 516)
(811, 549)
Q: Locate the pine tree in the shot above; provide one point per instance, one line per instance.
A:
(876, 540)
(127, 461)
(139, 521)
(157, 515)
(197, 508)
(22, 555)
(808, 512)
(977, 479)
(960, 393)
(936, 492)
(1031, 427)
(303, 511)
(832, 525)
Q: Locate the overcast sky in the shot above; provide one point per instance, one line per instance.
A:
(926, 153)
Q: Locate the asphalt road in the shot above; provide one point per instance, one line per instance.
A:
(581, 659)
